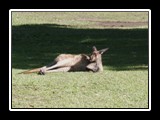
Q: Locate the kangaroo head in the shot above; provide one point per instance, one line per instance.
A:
(97, 54)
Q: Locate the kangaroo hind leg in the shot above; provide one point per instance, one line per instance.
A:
(62, 69)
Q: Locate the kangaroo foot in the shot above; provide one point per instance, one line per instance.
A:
(41, 72)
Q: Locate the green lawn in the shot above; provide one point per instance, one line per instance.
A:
(38, 37)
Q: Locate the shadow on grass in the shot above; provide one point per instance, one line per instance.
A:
(37, 45)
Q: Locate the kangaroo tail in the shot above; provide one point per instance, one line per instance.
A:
(30, 71)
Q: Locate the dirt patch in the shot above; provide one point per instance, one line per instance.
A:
(121, 24)
(116, 23)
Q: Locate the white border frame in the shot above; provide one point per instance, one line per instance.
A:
(78, 10)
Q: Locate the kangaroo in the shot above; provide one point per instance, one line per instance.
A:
(96, 60)
(69, 62)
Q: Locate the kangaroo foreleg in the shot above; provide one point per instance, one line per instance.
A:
(93, 67)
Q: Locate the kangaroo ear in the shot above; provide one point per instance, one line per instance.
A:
(103, 50)
(94, 48)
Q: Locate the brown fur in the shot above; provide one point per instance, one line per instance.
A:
(69, 62)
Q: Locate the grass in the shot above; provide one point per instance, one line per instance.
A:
(38, 37)
(77, 19)
(101, 90)
(81, 90)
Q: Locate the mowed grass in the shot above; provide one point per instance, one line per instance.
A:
(78, 19)
(38, 37)
(122, 89)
